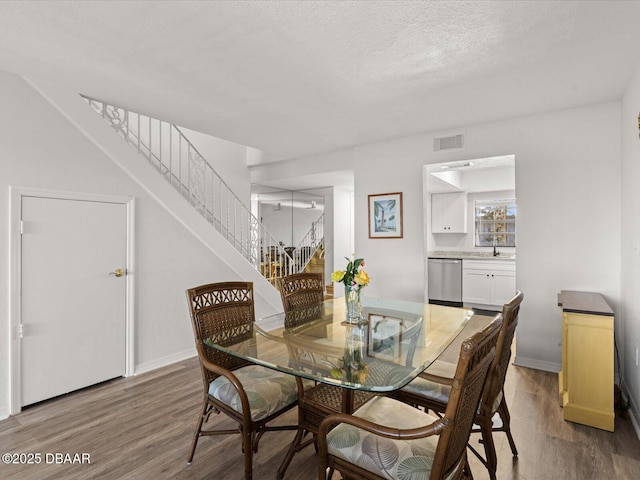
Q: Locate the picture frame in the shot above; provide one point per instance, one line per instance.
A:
(385, 335)
(385, 215)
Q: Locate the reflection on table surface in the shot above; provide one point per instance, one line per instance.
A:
(395, 341)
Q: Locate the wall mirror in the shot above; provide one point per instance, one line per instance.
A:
(288, 215)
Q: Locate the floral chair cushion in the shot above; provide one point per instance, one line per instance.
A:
(439, 392)
(392, 459)
(432, 390)
(268, 390)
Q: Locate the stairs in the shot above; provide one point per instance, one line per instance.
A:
(180, 164)
(316, 265)
(328, 291)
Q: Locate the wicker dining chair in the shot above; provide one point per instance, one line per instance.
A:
(300, 290)
(252, 395)
(388, 439)
(302, 296)
(433, 392)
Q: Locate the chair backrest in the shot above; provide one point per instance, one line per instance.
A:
(476, 355)
(223, 313)
(302, 296)
(296, 317)
(411, 336)
(301, 290)
(498, 370)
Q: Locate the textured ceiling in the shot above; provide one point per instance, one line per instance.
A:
(294, 78)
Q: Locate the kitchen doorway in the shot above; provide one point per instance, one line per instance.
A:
(464, 219)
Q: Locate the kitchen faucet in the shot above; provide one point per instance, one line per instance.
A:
(495, 252)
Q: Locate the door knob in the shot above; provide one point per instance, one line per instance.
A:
(118, 273)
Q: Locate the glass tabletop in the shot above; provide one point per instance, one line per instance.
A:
(393, 343)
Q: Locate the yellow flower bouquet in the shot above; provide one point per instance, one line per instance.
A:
(355, 278)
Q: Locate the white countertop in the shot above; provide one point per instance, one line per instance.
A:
(473, 255)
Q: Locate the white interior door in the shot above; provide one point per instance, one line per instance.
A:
(73, 308)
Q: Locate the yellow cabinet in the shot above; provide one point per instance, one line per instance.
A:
(586, 380)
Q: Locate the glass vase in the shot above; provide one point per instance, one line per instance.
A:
(354, 303)
(355, 368)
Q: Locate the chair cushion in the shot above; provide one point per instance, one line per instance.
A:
(268, 390)
(442, 369)
(431, 390)
(496, 402)
(439, 392)
(392, 459)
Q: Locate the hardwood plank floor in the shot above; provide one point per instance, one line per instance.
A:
(141, 427)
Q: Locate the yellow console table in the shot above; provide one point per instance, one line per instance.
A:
(586, 379)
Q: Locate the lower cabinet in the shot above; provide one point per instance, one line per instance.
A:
(488, 283)
(586, 381)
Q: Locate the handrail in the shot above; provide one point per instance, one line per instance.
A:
(169, 151)
(309, 244)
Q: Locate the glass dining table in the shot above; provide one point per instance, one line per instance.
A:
(390, 346)
(342, 365)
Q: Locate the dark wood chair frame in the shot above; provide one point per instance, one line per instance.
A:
(302, 294)
(224, 313)
(300, 290)
(493, 388)
(454, 428)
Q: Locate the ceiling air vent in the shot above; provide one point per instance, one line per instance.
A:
(447, 143)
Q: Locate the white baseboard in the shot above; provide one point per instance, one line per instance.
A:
(4, 413)
(536, 364)
(634, 422)
(634, 415)
(164, 361)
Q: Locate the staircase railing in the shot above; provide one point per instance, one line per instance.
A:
(309, 244)
(179, 162)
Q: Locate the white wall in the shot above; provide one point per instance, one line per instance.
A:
(396, 265)
(228, 159)
(343, 238)
(306, 172)
(628, 323)
(329, 233)
(39, 148)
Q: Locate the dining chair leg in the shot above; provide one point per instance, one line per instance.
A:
(196, 435)
(466, 472)
(325, 472)
(503, 411)
(491, 458)
(292, 450)
(247, 448)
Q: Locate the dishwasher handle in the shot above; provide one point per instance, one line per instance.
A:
(445, 260)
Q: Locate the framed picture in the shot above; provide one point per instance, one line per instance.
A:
(385, 334)
(385, 215)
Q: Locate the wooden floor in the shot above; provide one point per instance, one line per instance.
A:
(141, 427)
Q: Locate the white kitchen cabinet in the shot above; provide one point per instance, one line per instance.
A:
(491, 283)
(449, 212)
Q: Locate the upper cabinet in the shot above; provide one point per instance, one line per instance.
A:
(449, 212)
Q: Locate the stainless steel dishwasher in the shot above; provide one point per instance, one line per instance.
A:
(445, 281)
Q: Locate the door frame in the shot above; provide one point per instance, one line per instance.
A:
(15, 284)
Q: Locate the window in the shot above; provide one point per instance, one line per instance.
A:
(495, 222)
